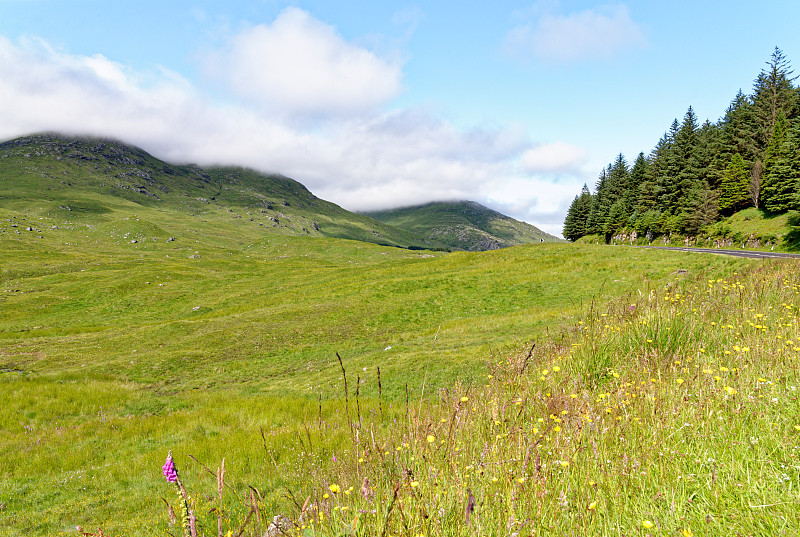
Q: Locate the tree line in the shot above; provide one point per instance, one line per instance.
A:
(697, 174)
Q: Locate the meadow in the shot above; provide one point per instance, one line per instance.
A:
(636, 411)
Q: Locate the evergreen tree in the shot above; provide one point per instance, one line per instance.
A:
(618, 181)
(570, 229)
(575, 225)
(689, 171)
(738, 131)
(701, 209)
(601, 205)
(781, 169)
(734, 191)
(665, 168)
(773, 94)
(636, 177)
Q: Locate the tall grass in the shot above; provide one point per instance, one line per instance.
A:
(669, 412)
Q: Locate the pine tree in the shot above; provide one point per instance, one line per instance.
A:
(775, 171)
(636, 177)
(689, 171)
(701, 209)
(734, 191)
(665, 168)
(575, 225)
(569, 230)
(781, 168)
(773, 94)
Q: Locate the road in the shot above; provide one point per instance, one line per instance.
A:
(736, 253)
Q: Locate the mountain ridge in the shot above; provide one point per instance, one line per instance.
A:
(94, 175)
(463, 225)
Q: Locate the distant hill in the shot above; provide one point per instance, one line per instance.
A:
(95, 178)
(463, 225)
(100, 181)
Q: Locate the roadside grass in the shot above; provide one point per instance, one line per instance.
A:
(674, 412)
(112, 353)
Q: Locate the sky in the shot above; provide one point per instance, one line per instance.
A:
(375, 105)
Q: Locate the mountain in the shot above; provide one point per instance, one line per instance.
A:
(462, 225)
(102, 180)
(106, 183)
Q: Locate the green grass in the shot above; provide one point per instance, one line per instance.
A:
(671, 412)
(115, 352)
(754, 225)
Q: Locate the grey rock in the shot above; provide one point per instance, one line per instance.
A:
(280, 525)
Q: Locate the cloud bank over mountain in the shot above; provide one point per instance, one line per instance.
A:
(295, 97)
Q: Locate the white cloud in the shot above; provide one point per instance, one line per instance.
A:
(300, 66)
(362, 161)
(553, 157)
(590, 34)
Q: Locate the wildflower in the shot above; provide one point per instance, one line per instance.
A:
(797, 427)
(592, 506)
(334, 488)
(414, 484)
(431, 439)
(687, 532)
(647, 524)
(521, 480)
(679, 381)
(464, 399)
(169, 471)
(730, 390)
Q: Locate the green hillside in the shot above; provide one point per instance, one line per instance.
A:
(100, 181)
(463, 225)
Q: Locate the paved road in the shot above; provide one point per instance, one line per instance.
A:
(737, 253)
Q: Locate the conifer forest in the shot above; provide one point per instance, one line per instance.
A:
(699, 173)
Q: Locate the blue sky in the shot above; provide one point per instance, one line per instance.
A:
(514, 104)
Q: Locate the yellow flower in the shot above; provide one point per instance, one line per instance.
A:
(521, 480)
(464, 399)
(730, 390)
(334, 488)
(414, 484)
(592, 506)
(431, 439)
(647, 524)
(679, 381)
(687, 532)
(797, 427)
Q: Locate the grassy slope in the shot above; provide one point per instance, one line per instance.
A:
(56, 175)
(674, 412)
(751, 229)
(114, 352)
(463, 225)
